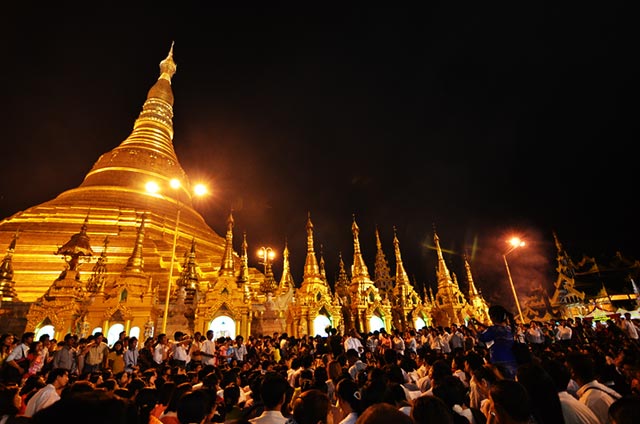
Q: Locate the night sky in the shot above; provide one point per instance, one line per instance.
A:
(479, 120)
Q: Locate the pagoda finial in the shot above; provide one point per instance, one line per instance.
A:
(168, 66)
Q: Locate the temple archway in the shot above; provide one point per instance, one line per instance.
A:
(376, 323)
(45, 329)
(320, 324)
(114, 334)
(223, 326)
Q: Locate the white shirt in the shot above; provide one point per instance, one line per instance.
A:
(575, 412)
(41, 399)
(209, 346)
(269, 417)
(630, 329)
(350, 419)
(352, 343)
(598, 398)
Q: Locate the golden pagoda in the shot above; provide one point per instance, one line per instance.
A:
(368, 311)
(315, 308)
(109, 204)
(449, 302)
(478, 307)
(408, 310)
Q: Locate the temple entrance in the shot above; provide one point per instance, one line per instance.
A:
(223, 326)
(45, 329)
(376, 323)
(114, 334)
(320, 325)
(419, 323)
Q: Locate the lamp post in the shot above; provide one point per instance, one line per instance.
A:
(199, 190)
(515, 242)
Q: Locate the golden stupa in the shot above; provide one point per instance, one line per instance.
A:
(110, 204)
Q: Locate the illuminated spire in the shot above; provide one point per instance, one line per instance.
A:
(311, 268)
(227, 267)
(7, 285)
(286, 282)
(135, 264)
(359, 267)
(149, 148)
(189, 277)
(96, 281)
(382, 273)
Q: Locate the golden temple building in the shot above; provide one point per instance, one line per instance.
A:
(112, 255)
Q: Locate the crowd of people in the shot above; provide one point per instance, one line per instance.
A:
(568, 371)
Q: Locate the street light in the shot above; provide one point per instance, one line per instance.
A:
(514, 242)
(198, 190)
(267, 254)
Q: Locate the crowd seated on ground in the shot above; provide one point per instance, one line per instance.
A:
(571, 372)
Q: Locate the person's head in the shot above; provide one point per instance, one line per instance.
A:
(348, 395)
(625, 410)
(431, 409)
(27, 337)
(558, 372)
(311, 407)
(352, 356)
(273, 390)
(59, 377)
(10, 400)
(383, 413)
(498, 314)
(334, 370)
(194, 406)
(581, 366)
(451, 390)
(541, 388)
(510, 401)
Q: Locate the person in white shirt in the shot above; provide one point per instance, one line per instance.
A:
(130, 356)
(161, 349)
(208, 350)
(563, 332)
(592, 393)
(573, 411)
(353, 342)
(57, 380)
(349, 400)
(273, 392)
(629, 327)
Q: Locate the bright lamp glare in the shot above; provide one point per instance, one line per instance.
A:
(175, 183)
(152, 187)
(516, 242)
(200, 190)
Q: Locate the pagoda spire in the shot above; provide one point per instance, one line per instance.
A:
(149, 149)
(189, 276)
(95, 283)
(323, 272)
(473, 292)
(311, 268)
(342, 282)
(359, 267)
(243, 276)
(382, 273)
(78, 246)
(401, 275)
(135, 263)
(7, 285)
(286, 282)
(444, 276)
(227, 266)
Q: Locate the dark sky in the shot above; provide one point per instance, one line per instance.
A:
(479, 120)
